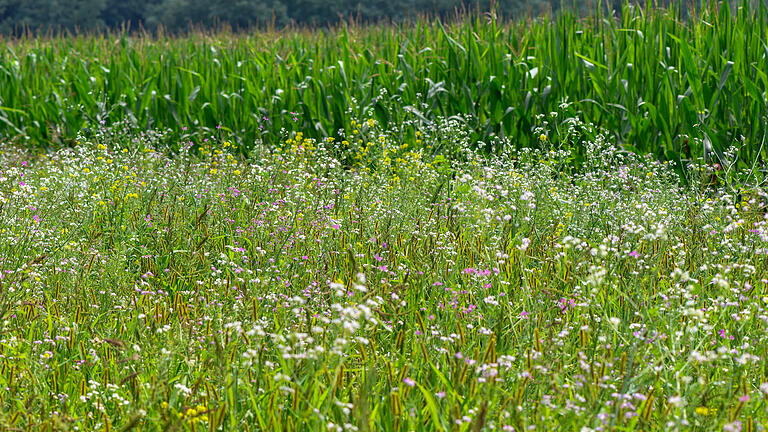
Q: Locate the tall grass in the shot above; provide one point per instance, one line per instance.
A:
(661, 84)
(286, 292)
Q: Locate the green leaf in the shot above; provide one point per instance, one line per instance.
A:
(434, 410)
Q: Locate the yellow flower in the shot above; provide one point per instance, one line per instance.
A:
(542, 137)
(704, 411)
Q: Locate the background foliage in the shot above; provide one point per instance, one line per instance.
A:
(679, 88)
(17, 15)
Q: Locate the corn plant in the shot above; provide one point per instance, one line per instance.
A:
(680, 88)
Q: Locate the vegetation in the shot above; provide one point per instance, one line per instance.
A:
(480, 225)
(18, 16)
(287, 292)
(674, 88)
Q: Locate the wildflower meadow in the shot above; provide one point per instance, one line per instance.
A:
(389, 288)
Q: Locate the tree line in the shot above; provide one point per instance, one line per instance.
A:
(60, 16)
(19, 16)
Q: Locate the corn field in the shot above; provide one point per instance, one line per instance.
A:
(673, 87)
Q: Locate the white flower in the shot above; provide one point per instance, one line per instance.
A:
(183, 389)
(677, 401)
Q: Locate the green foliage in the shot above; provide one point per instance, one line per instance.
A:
(241, 14)
(60, 15)
(663, 85)
(131, 13)
(177, 15)
(290, 291)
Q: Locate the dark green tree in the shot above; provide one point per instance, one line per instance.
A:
(132, 13)
(180, 14)
(246, 13)
(58, 15)
(175, 15)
